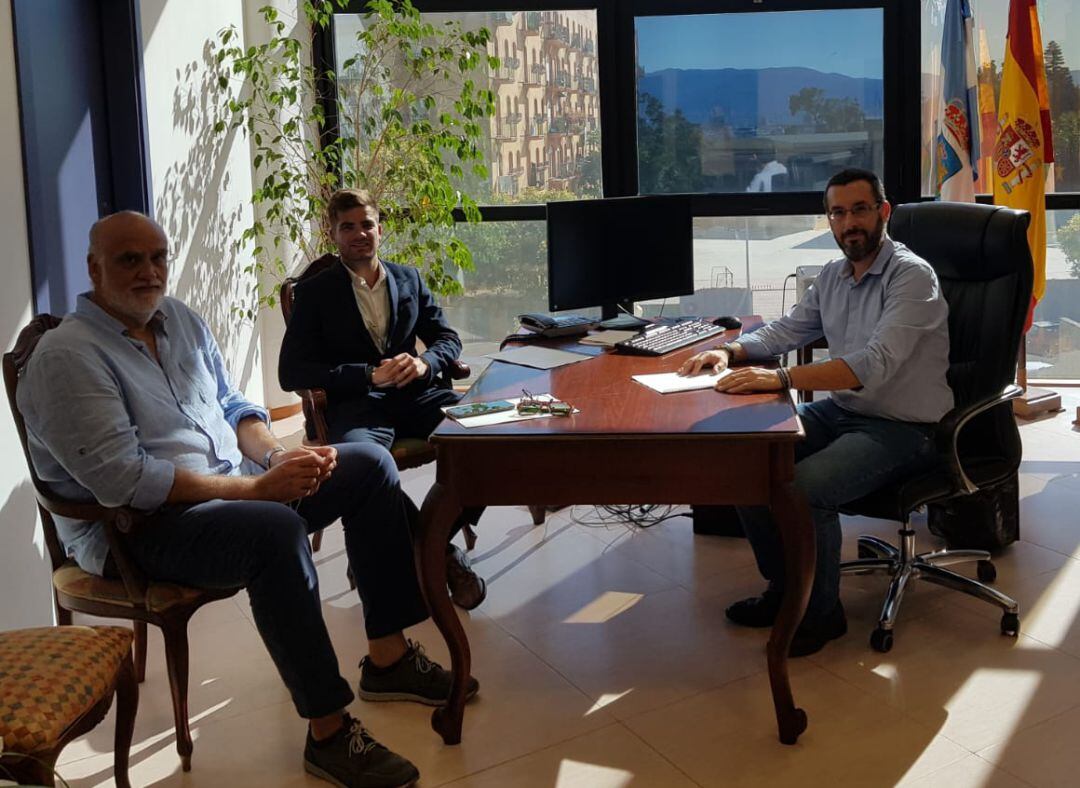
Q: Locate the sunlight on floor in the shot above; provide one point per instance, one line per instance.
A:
(604, 608)
(574, 774)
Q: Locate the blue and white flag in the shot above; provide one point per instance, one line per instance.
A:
(958, 111)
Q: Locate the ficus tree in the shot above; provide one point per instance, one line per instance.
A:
(404, 117)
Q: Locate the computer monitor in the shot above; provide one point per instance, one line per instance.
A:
(603, 252)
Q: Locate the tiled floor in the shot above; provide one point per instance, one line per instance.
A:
(606, 661)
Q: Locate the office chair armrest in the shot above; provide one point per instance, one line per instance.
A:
(953, 423)
(314, 404)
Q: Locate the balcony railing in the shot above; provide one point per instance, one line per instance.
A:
(588, 84)
(537, 127)
(565, 171)
(507, 184)
(502, 18)
(506, 131)
(532, 23)
(512, 118)
(562, 79)
(590, 47)
(537, 175)
(507, 70)
(575, 41)
(537, 74)
(554, 32)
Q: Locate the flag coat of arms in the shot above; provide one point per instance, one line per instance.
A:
(1025, 145)
(957, 147)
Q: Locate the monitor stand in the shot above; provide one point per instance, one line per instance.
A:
(624, 323)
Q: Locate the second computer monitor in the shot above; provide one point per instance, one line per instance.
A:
(603, 252)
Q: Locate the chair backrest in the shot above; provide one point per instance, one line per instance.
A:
(313, 268)
(983, 262)
(14, 362)
(982, 259)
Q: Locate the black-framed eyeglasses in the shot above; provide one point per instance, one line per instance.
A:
(528, 405)
(859, 211)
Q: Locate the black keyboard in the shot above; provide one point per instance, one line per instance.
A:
(658, 340)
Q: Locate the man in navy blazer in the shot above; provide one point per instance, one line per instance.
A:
(353, 332)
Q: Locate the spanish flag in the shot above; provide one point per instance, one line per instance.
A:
(1025, 145)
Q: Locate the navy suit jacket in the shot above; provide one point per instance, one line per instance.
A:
(327, 345)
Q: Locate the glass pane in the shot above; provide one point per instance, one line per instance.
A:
(510, 278)
(543, 143)
(1053, 344)
(742, 264)
(1059, 22)
(766, 101)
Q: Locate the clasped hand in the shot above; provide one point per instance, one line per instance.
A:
(399, 371)
(744, 380)
(297, 473)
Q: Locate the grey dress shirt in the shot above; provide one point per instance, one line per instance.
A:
(891, 328)
(107, 422)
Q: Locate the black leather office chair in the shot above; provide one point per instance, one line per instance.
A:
(982, 259)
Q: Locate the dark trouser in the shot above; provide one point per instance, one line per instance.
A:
(381, 417)
(844, 457)
(263, 547)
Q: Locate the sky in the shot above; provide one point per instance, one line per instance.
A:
(1059, 20)
(846, 42)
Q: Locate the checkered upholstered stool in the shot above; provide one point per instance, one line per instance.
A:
(57, 683)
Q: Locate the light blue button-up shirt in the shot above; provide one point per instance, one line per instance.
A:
(891, 327)
(107, 422)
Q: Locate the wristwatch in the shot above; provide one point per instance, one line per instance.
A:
(730, 348)
(270, 453)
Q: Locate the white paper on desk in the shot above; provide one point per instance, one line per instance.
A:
(538, 357)
(668, 382)
(607, 338)
(506, 416)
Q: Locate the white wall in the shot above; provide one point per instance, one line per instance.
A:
(25, 586)
(202, 181)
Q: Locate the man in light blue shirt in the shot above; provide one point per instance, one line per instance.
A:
(128, 403)
(882, 312)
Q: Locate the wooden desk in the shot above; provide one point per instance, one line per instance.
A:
(679, 440)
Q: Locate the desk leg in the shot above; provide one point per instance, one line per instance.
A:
(440, 510)
(792, 517)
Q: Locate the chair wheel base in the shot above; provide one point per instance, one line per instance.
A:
(986, 572)
(1010, 624)
(881, 640)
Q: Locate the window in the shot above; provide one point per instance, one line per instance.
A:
(510, 278)
(1059, 22)
(742, 264)
(542, 54)
(758, 102)
(1053, 343)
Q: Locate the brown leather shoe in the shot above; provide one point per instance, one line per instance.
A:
(467, 589)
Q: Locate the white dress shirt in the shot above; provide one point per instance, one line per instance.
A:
(374, 304)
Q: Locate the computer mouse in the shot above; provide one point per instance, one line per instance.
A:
(727, 321)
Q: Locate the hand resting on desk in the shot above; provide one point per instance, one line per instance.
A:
(745, 380)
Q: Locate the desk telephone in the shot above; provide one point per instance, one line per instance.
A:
(552, 326)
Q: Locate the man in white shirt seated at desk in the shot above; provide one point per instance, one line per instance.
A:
(883, 314)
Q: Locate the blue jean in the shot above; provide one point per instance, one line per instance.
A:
(263, 546)
(844, 457)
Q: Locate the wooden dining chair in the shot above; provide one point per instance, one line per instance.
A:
(57, 683)
(134, 596)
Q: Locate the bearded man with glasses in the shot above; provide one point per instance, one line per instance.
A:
(882, 312)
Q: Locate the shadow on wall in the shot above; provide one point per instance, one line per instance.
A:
(26, 590)
(202, 226)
